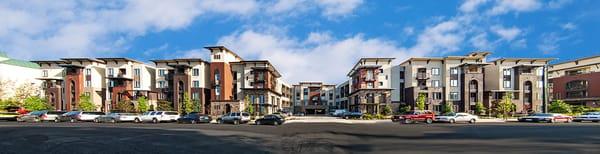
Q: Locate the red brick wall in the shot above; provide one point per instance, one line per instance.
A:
(77, 77)
(226, 81)
(560, 83)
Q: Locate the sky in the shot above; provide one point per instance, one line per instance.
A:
(306, 40)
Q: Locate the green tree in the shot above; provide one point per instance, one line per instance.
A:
(249, 107)
(447, 108)
(421, 102)
(578, 109)
(8, 103)
(35, 103)
(125, 106)
(85, 103)
(387, 110)
(188, 104)
(404, 109)
(164, 106)
(559, 106)
(505, 106)
(142, 104)
(151, 107)
(479, 108)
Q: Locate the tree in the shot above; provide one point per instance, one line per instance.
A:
(421, 102)
(387, 110)
(559, 106)
(479, 108)
(25, 91)
(404, 109)
(35, 103)
(578, 109)
(86, 104)
(125, 106)
(249, 107)
(142, 104)
(4, 86)
(505, 106)
(8, 103)
(188, 104)
(164, 106)
(447, 108)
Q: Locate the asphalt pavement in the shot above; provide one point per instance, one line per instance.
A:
(130, 138)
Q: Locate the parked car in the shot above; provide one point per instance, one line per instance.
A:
(457, 117)
(588, 116)
(415, 116)
(51, 115)
(9, 116)
(352, 115)
(282, 115)
(546, 117)
(235, 118)
(116, 117)
(270, 120)
(194, 118)
(31, 117)
(299, 114)
(158, 116)
(76, 116)
(338, 112)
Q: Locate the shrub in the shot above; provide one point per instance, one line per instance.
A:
(367, 116)
(404, 109)
(35, 103)
(447, 108)
(479, 108)
(142, 104)
(85, 103)
(387, 110)
(164, 106)
(559, 106)
(421, 102)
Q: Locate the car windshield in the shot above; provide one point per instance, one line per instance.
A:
(191, 115)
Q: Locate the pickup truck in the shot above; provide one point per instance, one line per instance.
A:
(415, 116)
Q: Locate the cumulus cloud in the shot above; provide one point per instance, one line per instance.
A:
(505, 6)
(507, 34)
(471, 5)
(331, 9)
(569, 26)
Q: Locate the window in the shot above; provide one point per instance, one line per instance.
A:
(369, 75)
(195, 96)
(234, 75)
(506, 72)
(217, 56)
(196, 84)
(435, 71)
(381, 71)
(87, 93)
(437, 96)
(45, 73)
(540, 71)
(506, 84)
(88, 83)
(453, 95)
(370, 85)
(136, 72)
(196, 72)
(161, 84)
(111, 83)
(111, 72)
(435, 83)
(453, 71)
(217, 91)
(540, 84)
(380, 83)
(88, 71)
(162, 72)
(137, 84)
(454, 83)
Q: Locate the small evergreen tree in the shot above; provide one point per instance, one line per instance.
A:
(479, 108)
(249, 107)
(421, 102)
(187, 102)
(505, 106)
(35, 103)
(559, 106)
(86, 104)
(387, 110)
(142, 104)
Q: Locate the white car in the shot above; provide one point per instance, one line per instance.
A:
(158, 116)
(457, 117)
(588, 116)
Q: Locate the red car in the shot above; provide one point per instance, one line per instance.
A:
(415, 116)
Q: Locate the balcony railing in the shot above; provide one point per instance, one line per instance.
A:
(422, 76)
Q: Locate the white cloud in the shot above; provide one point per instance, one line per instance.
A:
(331, 9)
(550, 42)
(335, 8)
(471, 5)
(507, 34)
(557, 4)
(480, 42)
(505, 6)
(408, 30)
(569, 26)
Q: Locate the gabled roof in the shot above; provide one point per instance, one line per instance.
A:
(119, 59)
(223, 48)
(361, 60)
(20, 63)
(83, 59)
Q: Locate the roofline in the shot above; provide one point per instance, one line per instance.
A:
(49, 62)
(541, 59)
(368, 58)
(223, 47)
(178, 60)
(118, 59)
(578, 59)
(83, 59)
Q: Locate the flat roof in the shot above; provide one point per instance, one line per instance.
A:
(578, 59)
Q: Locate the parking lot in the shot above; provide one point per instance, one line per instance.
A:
(88, 137)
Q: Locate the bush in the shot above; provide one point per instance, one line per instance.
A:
(35, 103)
(559, 106)
(387, 110)
(479, 108)
(86, 104)
(164, 106)
(404, 109)
(368, 116)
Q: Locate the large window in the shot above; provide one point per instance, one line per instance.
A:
(136, 72)
(162, 72)
(196, 72)
(435, 83)
(437, 96)
(454, 96)
(506, 78)
(88, 71)
(137, 84)
(161, 84)
(454, 83)
(45, 73)
(196, 84)
(453, 71)
(369, 75)
(435, 71)
(111, 72)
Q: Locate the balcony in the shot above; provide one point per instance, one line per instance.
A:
(423, 76)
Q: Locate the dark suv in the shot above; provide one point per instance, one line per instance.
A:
(415, 116)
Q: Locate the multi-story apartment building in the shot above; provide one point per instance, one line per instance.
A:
(236, 83)
(84, 76)
(313, 97)
(370, 85)
(576, 82)
(453, 79)
(52, 78)
(286, 98)
(17, 73)
(176, 78)
(127, 79)
(524, 78)
(342, 91)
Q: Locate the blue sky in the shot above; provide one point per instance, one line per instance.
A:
(307, 40)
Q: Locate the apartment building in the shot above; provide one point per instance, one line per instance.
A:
(457, 80)
(576, 82)
(524, 78)
(370, 85)
(53, 84)
(16, 73)
(237, 82)
(176, 78)
(286, 98)
(314, 98)
(84, 76)
(342, 91)
(128, 80)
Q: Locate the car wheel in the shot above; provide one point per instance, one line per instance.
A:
(551, 121)
(136, 120)
(472, 121)
(568, 120)
(113, 121)
(193, 122)
(56, 120)
(220, 121)
(276, 123)
(236, 122)
(429, 121)
(407, 121)
(257, 122)
(36, 120)
(96, 121)
(452, 121)
(72, 120)
(155, 120)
